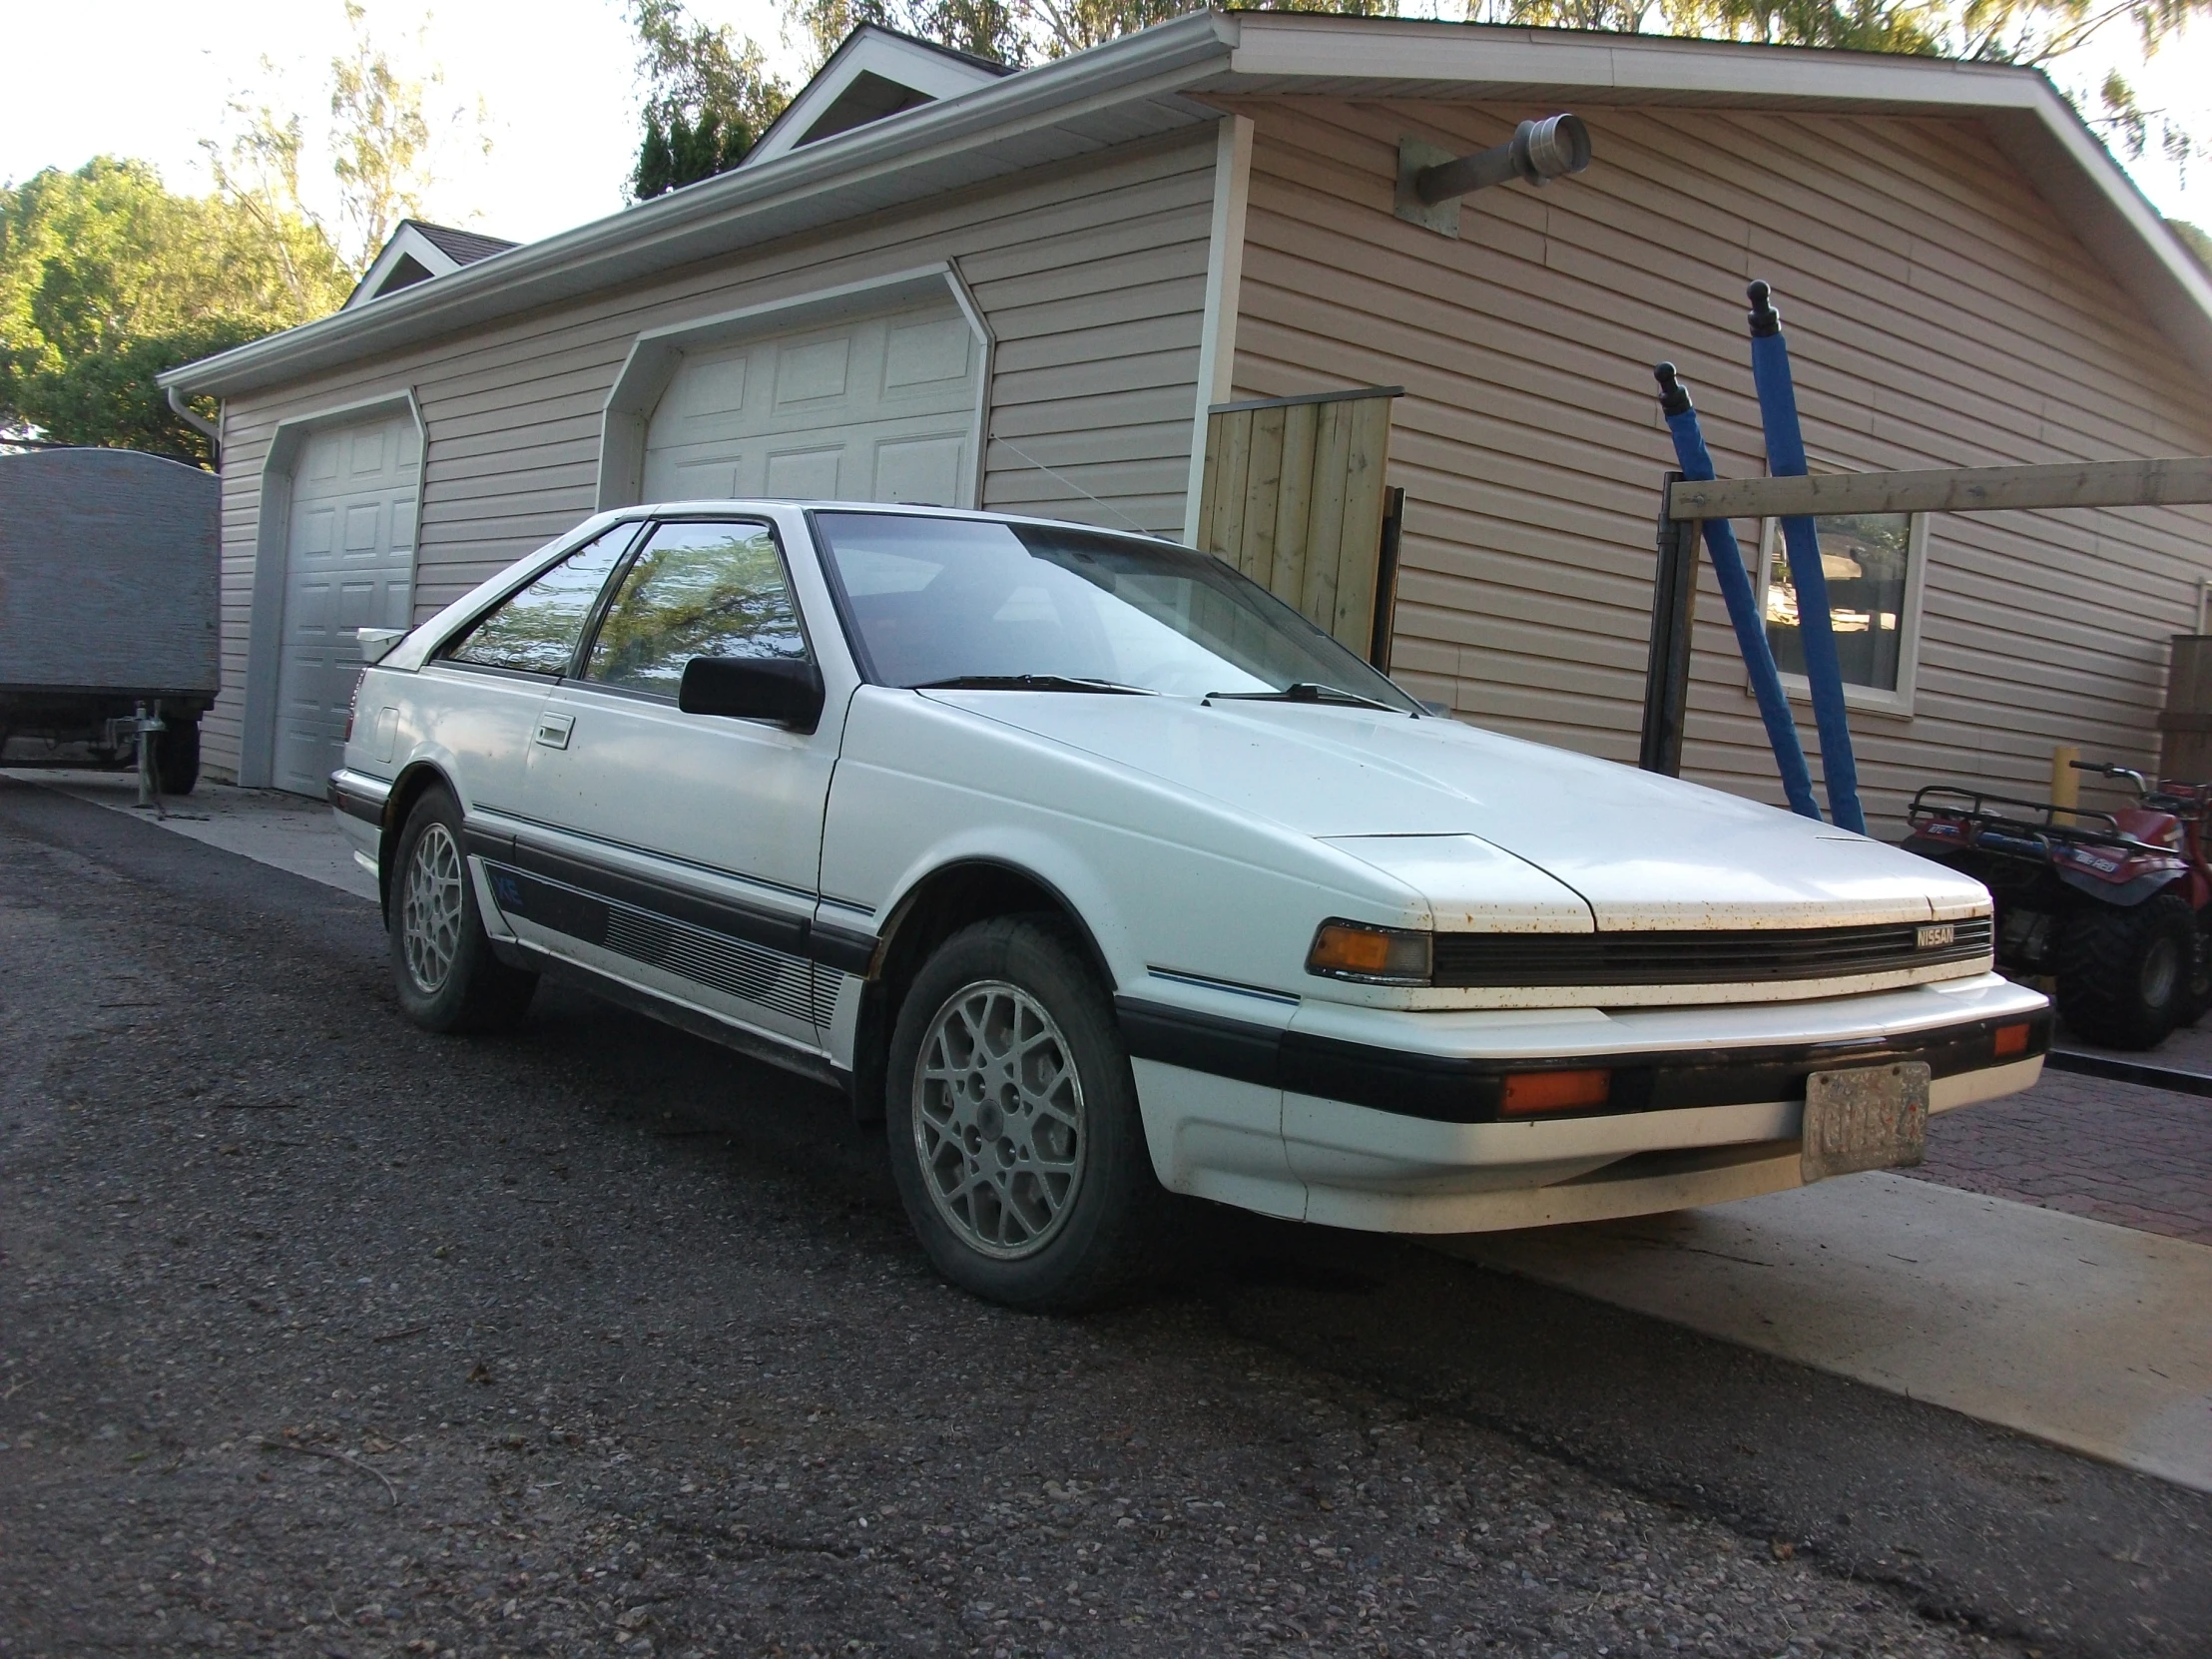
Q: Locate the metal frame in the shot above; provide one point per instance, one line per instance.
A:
(2179, 481)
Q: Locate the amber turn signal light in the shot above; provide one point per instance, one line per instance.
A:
(1353, 950)
(1554, 1091)
(2011, 1041)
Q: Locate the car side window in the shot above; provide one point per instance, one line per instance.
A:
(535, 630)
(697, 590)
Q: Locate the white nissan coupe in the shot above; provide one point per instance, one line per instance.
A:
(1098, 873)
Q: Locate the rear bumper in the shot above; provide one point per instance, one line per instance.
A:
(1711, 1112)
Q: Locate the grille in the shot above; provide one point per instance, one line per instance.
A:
(1695, 957)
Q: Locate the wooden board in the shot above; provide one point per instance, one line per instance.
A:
(1292, 493)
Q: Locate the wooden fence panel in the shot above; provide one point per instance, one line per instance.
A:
(1293, 494)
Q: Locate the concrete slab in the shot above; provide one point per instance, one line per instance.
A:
(286, 832)
(2092, 1337)
(2188, 1049)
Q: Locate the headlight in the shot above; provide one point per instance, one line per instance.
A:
(1373, 955)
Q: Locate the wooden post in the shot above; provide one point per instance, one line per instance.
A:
(1667, 669)
(2066, 782)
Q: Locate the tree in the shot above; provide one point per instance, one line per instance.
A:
(709, 97)
(107, 279)
(384, 137)
(2195, 240)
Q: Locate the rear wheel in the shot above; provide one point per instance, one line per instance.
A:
(2124, 976)
(448, 978)
(1012, 1118)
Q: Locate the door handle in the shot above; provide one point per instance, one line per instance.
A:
(553, 730)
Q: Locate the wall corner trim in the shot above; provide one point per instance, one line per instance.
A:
(1217, 350)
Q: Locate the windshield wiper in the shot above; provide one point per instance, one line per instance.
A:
(1033, 682)
(1307, 691)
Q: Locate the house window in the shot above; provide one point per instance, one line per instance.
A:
(1875, 564)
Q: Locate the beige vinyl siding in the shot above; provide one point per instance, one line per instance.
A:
(1090, 275)
(1938, 314)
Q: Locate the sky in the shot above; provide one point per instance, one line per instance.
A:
(558, 79)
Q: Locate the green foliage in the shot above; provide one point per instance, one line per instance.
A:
(2194, 239)
(385, 135)
(684, 152)
(107, 279)
(709, 96)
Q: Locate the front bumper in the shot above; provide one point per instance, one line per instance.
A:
(1385, 1120)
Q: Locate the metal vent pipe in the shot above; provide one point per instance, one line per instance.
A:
(1537, 151)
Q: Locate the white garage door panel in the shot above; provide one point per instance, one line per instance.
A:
(876, 408)
(349, 563)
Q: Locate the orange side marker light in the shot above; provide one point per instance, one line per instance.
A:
(1555, 1091)
(2011, 1041)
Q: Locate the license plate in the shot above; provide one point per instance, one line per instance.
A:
(1871, 1118)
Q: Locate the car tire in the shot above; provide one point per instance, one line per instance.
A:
(1011, 1115)
(177, 753)
(2123, 974)
(441, 958)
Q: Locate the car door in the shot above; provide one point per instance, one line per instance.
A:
(685, 848)
(479, 697)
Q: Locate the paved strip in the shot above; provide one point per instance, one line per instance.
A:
(2129, 1071)
(286, 832)
(2089, 1335)
(2117, 1152)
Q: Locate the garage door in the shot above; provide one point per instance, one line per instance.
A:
(349, 563)
(877, 408)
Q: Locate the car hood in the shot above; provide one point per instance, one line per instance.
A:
(1429, 800)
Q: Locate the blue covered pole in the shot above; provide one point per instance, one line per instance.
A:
(1696, 462)
(1770, 371)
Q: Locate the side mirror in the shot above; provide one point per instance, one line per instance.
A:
(785, 690)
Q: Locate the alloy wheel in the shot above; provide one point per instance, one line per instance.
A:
(430, 911)
(998, 1120)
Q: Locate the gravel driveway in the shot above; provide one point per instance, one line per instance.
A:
(321, 1335)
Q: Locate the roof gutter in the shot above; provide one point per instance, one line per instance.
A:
(712, 216)
(197, 423)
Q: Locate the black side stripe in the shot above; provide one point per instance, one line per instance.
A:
(1447, 1090)
(355, 804)
(844, 949)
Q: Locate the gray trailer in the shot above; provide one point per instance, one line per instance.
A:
(109, 589)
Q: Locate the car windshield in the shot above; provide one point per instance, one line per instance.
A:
(942, 602)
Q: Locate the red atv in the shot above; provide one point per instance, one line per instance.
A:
(2116, 906)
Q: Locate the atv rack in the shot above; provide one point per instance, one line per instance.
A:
(2032, 833)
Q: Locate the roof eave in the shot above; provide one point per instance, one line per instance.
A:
(708, 216)
(1271, 52)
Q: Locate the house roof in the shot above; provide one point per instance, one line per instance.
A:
(874, 73)
(419, 251)
(1160, 79)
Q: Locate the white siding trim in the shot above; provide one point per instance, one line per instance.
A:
(1217, 348)
(266, 615)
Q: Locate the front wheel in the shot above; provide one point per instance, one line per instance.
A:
(448, 978)
(1012, 1118)
(2124, 974)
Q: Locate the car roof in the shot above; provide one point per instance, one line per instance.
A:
(757, 503)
